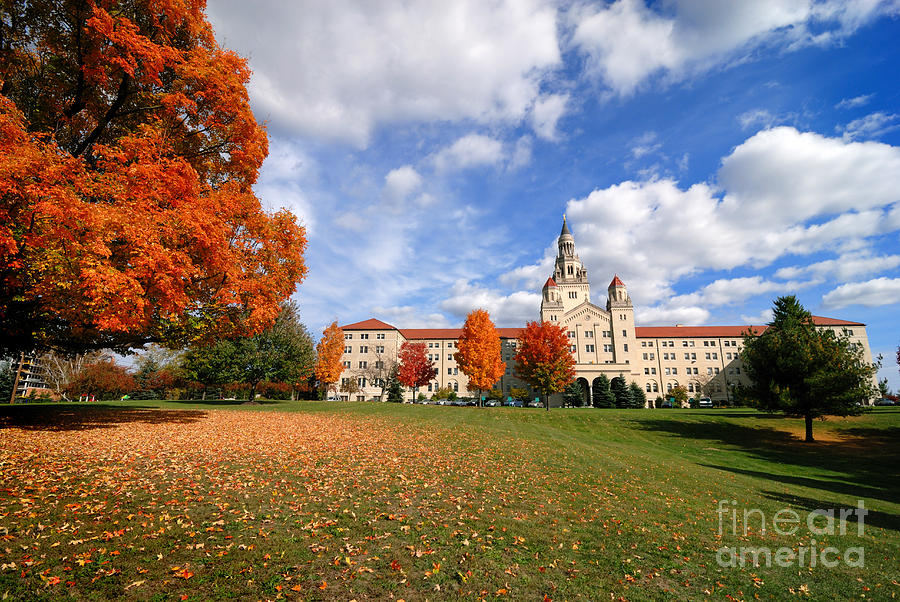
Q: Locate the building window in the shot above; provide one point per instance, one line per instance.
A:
(364, 349)
(624, 333)
(684, 343)
(690, 387)
(625, 347)
(449, 357)
(553, 318)
(707, 356)
(589, 348)
(655, 388)
(589, 334)
(379, 348)
(348, 349)
(349, 335)
(709, 370)
(691, 343)
(674, 370)
(669, 387)
(345, 364)
(364, 336)
(573, 295)
(645, 356)
(361, 381)
(652, 356)
(379, 335)
(364, 364)
(668, 372)
(379, 364)
(646, 370)
(693, 356)
(717, 370)
(607, 348)
(572, 348)
(687, 356)
(652, 370)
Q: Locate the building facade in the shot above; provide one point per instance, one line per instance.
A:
(603, 339)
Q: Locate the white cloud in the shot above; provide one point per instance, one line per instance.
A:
(856, 101)
(756, 118)
(847, 267)
(626, 42)
(872, 293)
(400, 183)
(781, 192)
(645, 144)
(339, 69)
(283, 179)
(765, 317)
(546, 113)
(472, 150)
(521, 155)
(664, 315)
(408, 316)
(871, 126)
(505, 310)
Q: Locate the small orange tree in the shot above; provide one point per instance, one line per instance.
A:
(415, 368)
(328, 355)
(479, 351)
(543, 359)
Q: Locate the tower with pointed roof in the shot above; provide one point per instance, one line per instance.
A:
(568, 287)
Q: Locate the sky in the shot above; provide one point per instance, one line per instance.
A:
(715, 154)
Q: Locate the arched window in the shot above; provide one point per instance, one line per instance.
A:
(655, 388)
(669, 387)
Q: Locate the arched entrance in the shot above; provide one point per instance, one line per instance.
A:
(585, 391)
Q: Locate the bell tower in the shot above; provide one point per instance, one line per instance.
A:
(569, 274)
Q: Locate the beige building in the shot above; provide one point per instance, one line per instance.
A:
(603, 340)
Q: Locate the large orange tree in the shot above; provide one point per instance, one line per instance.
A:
(479, 351)
(328, 355)
(127, 155)
(415, 369)
(543, 359)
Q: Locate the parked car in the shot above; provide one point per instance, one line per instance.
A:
(885, 402)
(513, 403)
(534, 403)
(705, 402)
(491, 403)
(666, 405)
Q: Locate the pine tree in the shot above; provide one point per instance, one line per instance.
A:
(638, 397)
(603, 396)
(620, 391)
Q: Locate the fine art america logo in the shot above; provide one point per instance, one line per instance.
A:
(788, 522)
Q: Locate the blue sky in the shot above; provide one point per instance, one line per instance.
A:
(715, 154)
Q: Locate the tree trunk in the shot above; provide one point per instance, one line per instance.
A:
(252, 391)
(547, 401)
(203, 395)
(809, 433)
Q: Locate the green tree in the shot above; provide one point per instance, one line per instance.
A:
(680, 395)
(7, 379)
(210, 365)
(620, 392)
(602, 394)
(574, 394)
(394, 389)
(800, 370)
(638, 397)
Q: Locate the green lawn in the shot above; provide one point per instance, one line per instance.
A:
(301, 500)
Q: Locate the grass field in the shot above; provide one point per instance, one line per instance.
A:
(193, 501)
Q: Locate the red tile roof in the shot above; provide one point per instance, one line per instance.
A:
(451, 333)
(550, 282)
(616, 282)
(370, 324)
(649, 332)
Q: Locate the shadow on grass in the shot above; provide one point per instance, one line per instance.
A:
(861, 458)
(874, 518)
(71, 417)
(225, 402)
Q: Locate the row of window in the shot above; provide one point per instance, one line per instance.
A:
(364, 349)
(689, 343)
(364, 336)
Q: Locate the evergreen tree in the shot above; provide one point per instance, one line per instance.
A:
(620, 392)
(603, 396)
(800, 370)
(394, 389)
(574, 394)
(638, 397)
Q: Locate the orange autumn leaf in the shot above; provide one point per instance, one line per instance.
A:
(543, 358)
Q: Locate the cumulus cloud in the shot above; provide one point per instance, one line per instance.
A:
(665, 315)
(779, 193)
(626, 42)
(765, 317)
(338, 69)
(408, 316)
(506, 310)
(472, 150)
(872, 293)
(846, 267)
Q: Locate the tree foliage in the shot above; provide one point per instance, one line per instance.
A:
(479, 351)
(543, 359)
(415, 368)
(103, 379)
(328, 355)
(128, 152)
(801, 370)
(573, 394)
(679, 394)
(619, 387)
(638, 397)
(602, 395)
(394, 389)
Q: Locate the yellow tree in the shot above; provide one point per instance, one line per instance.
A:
(328, 355)
(479, 351)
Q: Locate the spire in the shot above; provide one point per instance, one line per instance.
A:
(550, 283)
(616, 282)
(565, 228)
